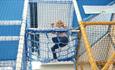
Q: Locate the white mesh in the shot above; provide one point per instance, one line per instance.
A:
(50, 13)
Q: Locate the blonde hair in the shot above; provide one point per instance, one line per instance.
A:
(60, 24)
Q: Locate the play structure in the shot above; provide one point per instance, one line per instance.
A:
(26, 34)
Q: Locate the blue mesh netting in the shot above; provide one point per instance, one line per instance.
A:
(40, 45)
(42, 14)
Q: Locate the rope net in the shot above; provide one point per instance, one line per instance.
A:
(101, 39)
(40, 46)
(40, 31)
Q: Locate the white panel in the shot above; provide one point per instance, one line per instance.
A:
(101, 17)
(99, 9)
(36, 65)
(58, 66)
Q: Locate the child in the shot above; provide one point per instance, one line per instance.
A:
(61, 39)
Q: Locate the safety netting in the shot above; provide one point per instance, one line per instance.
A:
(40, 32)
(40, 44)
(101, 39)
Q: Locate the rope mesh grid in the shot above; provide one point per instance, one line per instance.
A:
(41, 50)
(101, 38)
(48, 12)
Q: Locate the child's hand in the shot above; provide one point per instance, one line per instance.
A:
(52, 24)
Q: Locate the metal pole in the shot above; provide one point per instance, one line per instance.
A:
(88, 47)
(83, 31)
(22, 35)
(109, 62)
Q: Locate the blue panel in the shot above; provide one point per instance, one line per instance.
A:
(75, 22)
(11, 9)
(13, 30)
(91, 2)
(8, 50)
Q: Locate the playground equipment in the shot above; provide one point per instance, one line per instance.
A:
(27, 38)
(39, 32)
(99, 51)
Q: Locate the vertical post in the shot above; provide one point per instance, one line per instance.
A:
(88, 47)
(79, 18)
(81, 66)
(109, 62)
(83, 31)
(22, 35)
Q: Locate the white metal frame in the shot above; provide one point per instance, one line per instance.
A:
(8, 38)
(10, 22)
(22, 34)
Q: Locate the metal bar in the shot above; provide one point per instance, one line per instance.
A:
(10, 22)
(81, 66)
(22, 35)
(77, 10)
(97, 62)
(8, 38)
(88, 47)
(52, 1)
(109, 62)
(51, 30)
(99, 23)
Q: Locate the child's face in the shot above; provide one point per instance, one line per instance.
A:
(59, 24)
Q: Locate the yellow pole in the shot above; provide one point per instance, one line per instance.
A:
(81, 66)
(76, 66)
(88, 47)
(109, 62)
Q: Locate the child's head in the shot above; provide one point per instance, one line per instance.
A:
(60, 24)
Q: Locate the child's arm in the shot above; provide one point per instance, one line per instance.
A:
(65, 26)
(52, 25)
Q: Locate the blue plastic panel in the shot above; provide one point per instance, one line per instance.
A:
(8, 50)
(11, 9)
(13, 30)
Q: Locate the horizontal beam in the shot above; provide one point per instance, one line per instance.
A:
(51, 30)
(10, 22)
(98, 9)
(52, 1)
(97, 62)
(99, 23)
(8, 38)
(59, 63)
(88, 47)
